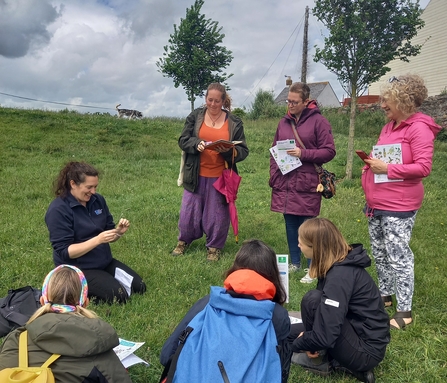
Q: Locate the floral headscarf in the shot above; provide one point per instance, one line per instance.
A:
(58, 308)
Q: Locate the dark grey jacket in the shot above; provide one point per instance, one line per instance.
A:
(85, 345)
(189, 140)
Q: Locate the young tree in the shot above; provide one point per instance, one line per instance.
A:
(365, 35)
(194, 58)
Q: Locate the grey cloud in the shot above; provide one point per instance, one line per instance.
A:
(23, 26)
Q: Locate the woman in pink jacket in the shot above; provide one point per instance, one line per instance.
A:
(394, 190)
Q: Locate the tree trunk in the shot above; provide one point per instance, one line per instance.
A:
(192, 105)
(350, 156)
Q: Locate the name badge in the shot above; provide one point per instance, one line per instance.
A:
(330, 302)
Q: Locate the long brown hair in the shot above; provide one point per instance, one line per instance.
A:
(72, 171)
(259, 257)
(327, 243)
(64, 288)
(225, 96)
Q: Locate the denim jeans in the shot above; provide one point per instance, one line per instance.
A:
(293, 222)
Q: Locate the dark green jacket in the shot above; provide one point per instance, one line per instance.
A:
(189, 140)
(85, 345)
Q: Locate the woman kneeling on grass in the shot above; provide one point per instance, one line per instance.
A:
(64, 326)
(345, 325)
(81, 230)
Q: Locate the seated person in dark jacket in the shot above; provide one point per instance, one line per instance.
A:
(254, 275)
(344, 325)
(64, 326)
(81, 229)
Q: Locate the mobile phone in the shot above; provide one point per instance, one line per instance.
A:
(362, 155)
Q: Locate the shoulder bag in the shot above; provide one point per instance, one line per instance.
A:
(327, 179)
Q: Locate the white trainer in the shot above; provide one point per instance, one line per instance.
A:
(307, 279)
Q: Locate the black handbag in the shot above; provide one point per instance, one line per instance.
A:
(327, 179)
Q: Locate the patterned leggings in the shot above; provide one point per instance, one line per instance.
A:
(390, 238)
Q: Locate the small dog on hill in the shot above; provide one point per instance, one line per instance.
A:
(130, 113)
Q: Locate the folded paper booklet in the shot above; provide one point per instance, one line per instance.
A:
(224, 143)
(285, 162)
(125, 352)
(390, 154)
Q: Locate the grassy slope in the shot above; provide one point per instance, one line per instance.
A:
(139, 164)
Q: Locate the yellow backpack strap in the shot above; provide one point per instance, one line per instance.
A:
(23, 349)
(23, 352)
(50, 360)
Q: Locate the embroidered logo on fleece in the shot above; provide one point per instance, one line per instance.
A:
(330, 302)
(98, 212)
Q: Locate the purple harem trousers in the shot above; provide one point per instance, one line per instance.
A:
(204, 211)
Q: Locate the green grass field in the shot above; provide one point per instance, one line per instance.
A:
(139, 163)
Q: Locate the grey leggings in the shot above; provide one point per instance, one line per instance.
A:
(390, 238)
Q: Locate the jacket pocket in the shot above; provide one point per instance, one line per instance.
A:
(304, 182)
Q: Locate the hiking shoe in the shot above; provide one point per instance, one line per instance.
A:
(320, 365)
(294, 268)
(213, 254)
(307, 278)
(179, 249)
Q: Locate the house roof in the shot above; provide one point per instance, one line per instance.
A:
(315, 90)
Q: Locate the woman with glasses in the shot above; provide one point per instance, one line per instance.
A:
(204, 210)
(294, 194)
(394, 191)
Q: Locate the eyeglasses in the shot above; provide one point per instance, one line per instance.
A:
(293, 103)
(394, 78)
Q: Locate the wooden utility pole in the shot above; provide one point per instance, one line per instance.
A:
(305, 47)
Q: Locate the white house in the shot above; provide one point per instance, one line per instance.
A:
(431, 63)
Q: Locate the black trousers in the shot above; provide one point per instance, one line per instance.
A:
(348, 350)
(102, 285)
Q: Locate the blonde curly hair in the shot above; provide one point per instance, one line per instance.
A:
(408, 92)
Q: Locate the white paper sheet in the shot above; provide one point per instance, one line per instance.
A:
(390, 154)
(125, 279)
(125, 352)
(285, 162)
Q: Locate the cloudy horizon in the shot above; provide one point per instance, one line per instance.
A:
(104, 52)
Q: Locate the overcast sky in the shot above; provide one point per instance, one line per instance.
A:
(103, 52)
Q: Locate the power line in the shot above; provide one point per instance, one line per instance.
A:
(251, 94)
(55, 102)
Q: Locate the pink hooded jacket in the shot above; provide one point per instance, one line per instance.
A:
(417, 135)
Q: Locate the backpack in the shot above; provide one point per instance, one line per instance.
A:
(232, 340)
(17, 307)
(25, 374)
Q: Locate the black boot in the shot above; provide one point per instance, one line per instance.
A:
(363, 376)
(320, 365)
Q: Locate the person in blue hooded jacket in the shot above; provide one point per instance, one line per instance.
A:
(254, 277)
(81, 229)
(345, 325)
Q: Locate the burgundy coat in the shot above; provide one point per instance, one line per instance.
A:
(295, 192)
